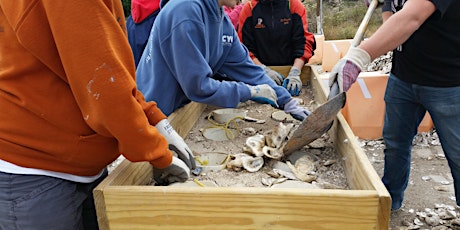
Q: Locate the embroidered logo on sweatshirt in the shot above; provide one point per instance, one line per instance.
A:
(227, 40)
(260, 24)
(285, 21)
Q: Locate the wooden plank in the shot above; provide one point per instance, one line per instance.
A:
(239, 208)
(360, 173)
(184, 119)
(304, 74)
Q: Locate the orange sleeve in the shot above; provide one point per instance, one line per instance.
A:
(100, 70)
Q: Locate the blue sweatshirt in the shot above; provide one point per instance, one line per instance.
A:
(191, 42)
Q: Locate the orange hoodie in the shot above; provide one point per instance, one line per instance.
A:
(68, 97)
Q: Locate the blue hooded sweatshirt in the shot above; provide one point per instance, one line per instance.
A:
(191, 42)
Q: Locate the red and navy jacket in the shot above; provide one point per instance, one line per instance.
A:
(276, 31)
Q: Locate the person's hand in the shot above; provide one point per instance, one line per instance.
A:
(293, 83)
(264, 94)
(177, 171)
(348, 68)
(295, 110)
(275, 76)
(176, 143)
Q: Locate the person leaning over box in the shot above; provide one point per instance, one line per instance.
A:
(70, 106)
(194, 54)
(424, 77)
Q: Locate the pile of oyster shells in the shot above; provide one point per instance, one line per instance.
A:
(441, 217)
(268, 147)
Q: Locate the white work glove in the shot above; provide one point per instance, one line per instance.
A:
(264, 94)
(348, 68)
(176, 143)
(296, 111)
(177, 171)
(275, 76)
(293, 83)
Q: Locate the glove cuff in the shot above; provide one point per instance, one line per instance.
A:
(294, 71)
(358, 56)
(164, 127)
(265, 68)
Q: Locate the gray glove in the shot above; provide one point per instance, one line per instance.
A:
(296, 111)
(264, 94)
(176, 143)
(275, 76)
(293, 83)
(177, 171)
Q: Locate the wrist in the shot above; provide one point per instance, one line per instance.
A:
(358, 56)
(164, 127)
(294, 71)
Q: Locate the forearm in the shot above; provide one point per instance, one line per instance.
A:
(256, 61)
(398, 28)
(386, 15)
(299, 63)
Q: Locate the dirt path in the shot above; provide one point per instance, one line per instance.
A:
(430, 191)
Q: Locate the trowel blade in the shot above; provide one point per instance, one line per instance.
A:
(316, 124)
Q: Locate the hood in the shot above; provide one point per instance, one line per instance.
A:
(141, 9)
(211, 6)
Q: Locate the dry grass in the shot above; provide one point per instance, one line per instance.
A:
(342, 21)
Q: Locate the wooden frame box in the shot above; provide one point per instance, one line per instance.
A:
(124, 201)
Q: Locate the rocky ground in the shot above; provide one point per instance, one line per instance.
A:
(429, 199)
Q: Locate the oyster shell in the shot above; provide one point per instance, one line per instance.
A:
(254, 145)
(252, 164)
(242, 161)
(304, 168)
(271, 152)
(236, 161)
(275, 137)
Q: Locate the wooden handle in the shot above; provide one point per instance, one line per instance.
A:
(363, 26)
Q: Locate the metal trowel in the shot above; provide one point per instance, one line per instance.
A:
(316, 124)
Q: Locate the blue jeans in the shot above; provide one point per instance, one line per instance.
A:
(405, 107)
(42, 202)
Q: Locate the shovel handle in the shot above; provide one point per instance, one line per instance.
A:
(334, 89)
(363, 26)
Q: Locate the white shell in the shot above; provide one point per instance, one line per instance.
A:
(275, 137)
(254, 145)
(252, 164)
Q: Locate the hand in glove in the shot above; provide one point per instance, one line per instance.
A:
(275, 76)
(293, 83)
(296, 111)
(176, 143)
(264, 94)
(177, 171)
(348, 68)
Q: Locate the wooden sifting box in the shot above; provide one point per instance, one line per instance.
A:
(124, 200)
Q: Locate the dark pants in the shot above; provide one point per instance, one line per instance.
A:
(43, 202)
